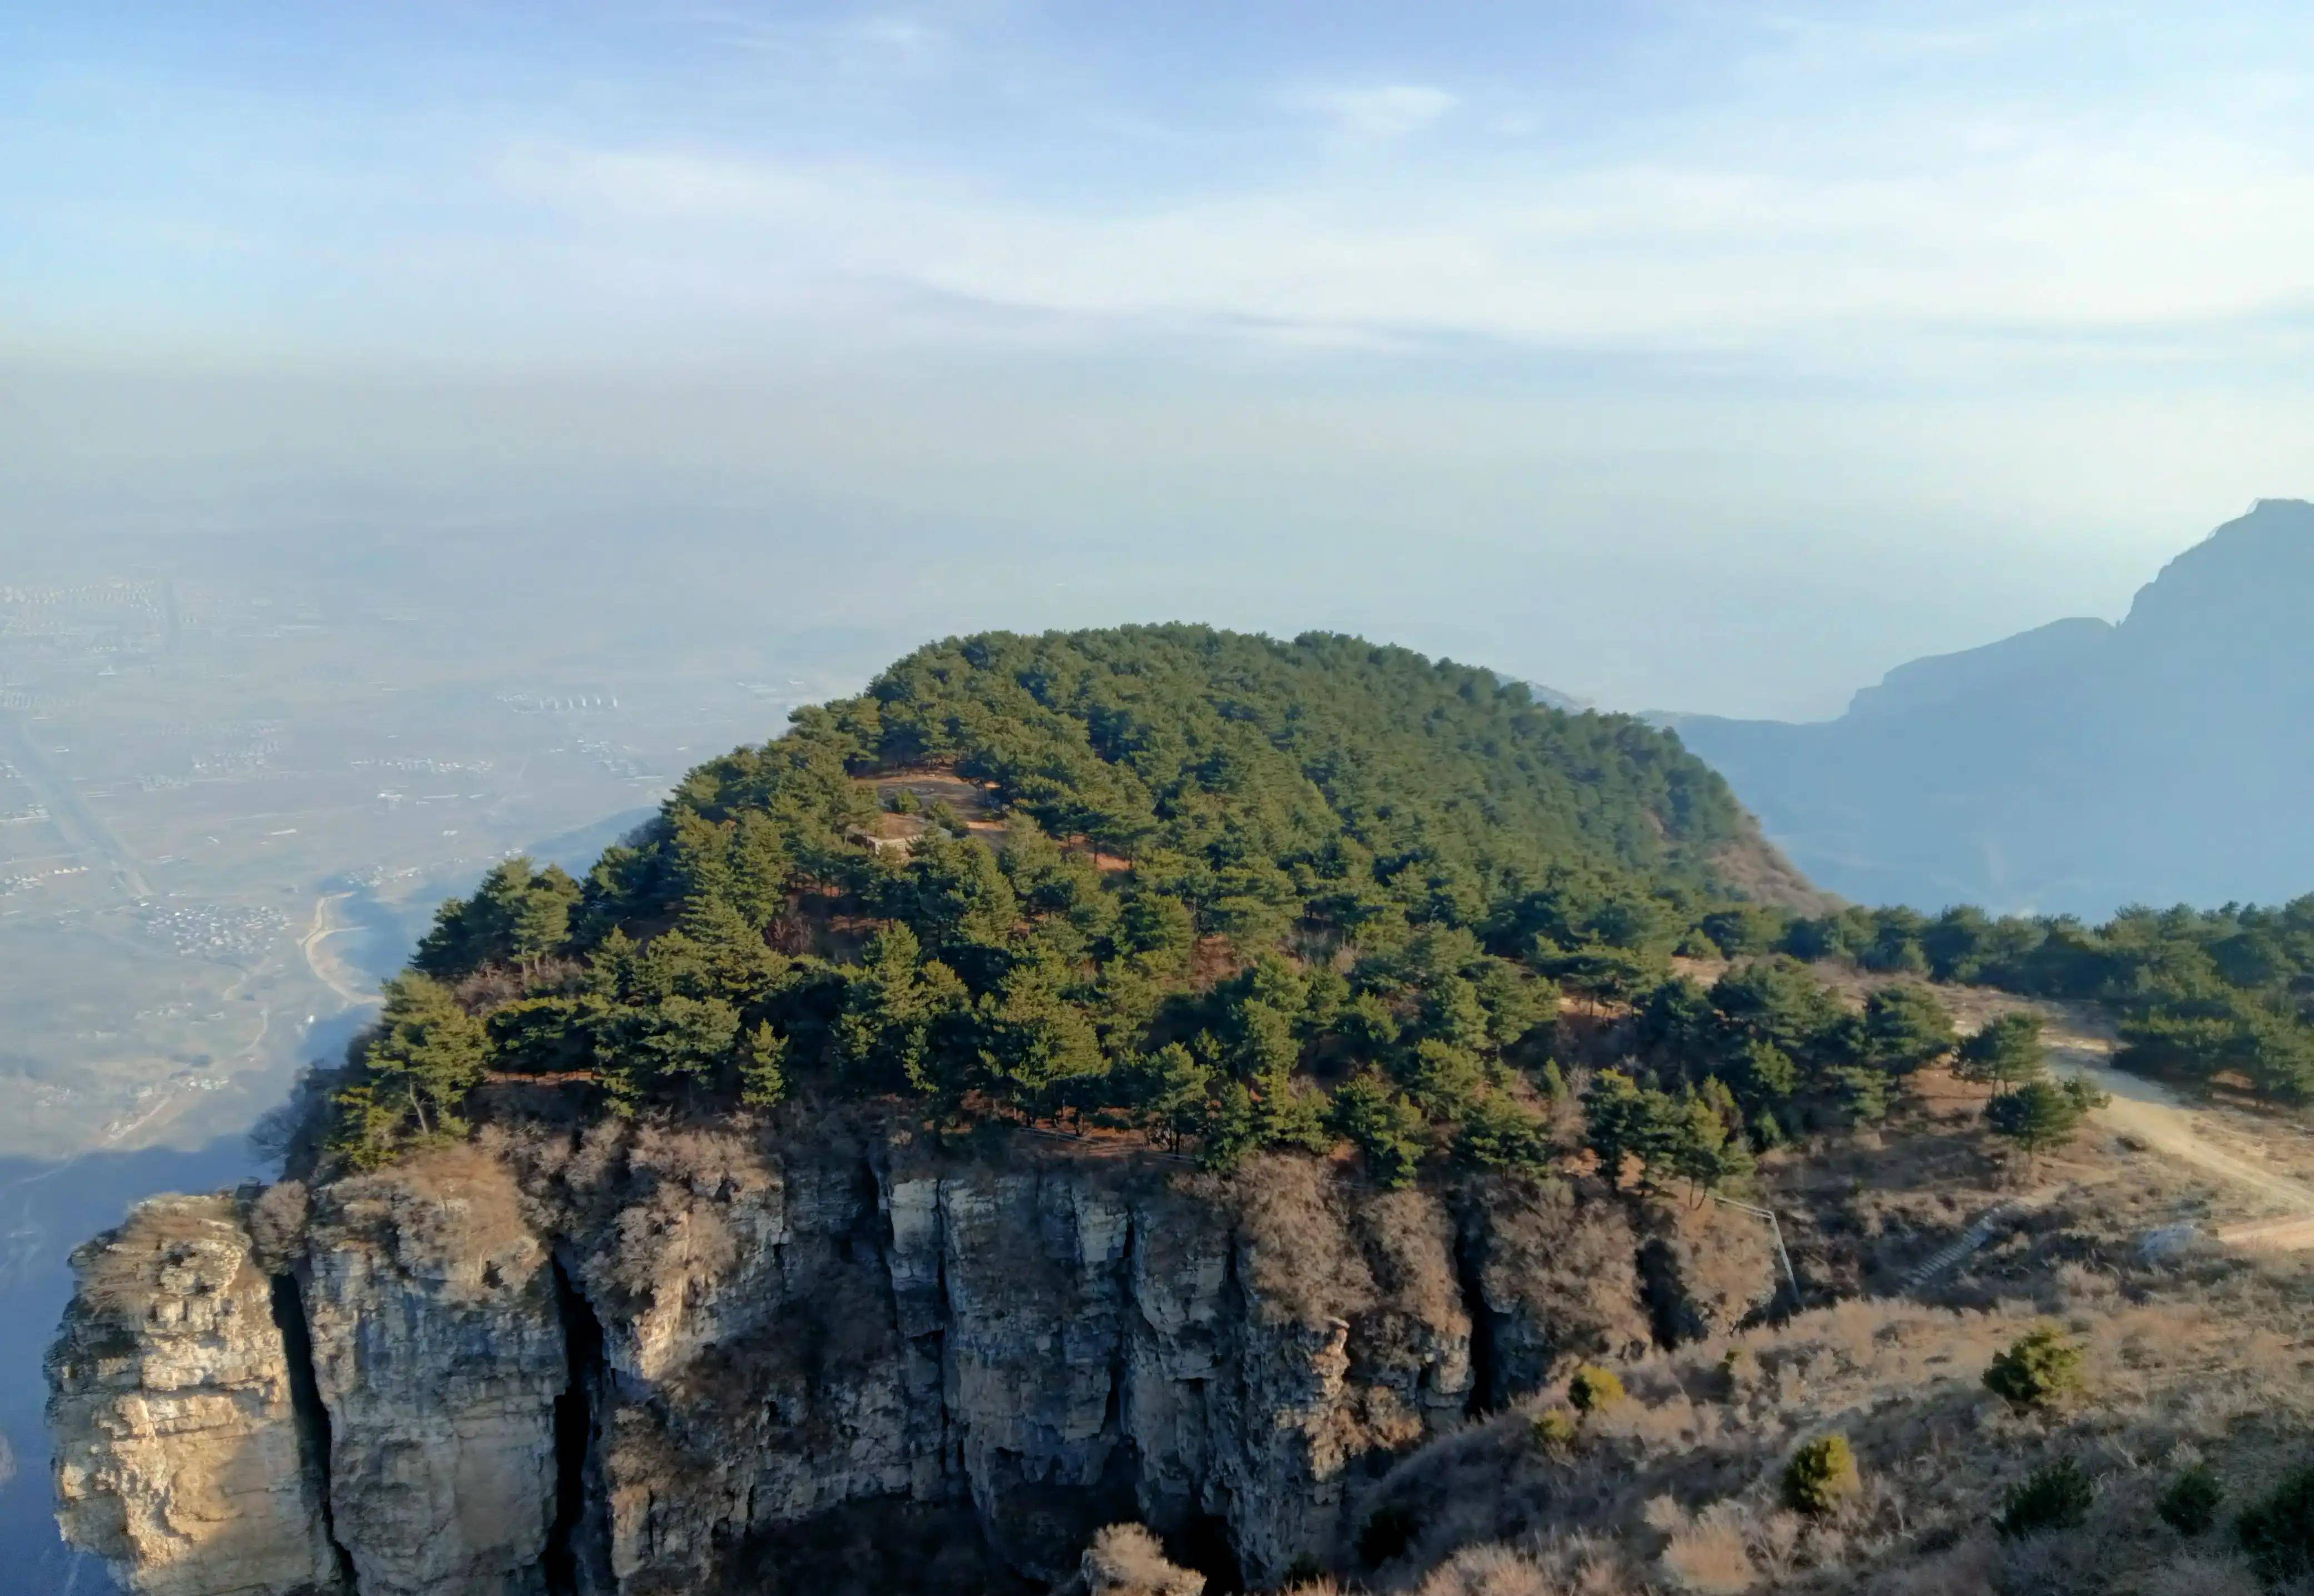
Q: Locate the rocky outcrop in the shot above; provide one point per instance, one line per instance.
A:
(645, 1362)
(181, 1458)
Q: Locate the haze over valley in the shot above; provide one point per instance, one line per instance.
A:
(973, 799)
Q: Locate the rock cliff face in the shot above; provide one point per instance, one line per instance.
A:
(181, 1457)
(646, 1362)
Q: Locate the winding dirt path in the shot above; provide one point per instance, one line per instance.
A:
(2149, 1113)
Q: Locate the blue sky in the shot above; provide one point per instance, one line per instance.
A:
(1803, 318)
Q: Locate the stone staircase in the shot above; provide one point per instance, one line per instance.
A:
(1949, 1256)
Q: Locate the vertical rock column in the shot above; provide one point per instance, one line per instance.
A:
(439, 1350)
(1036, 1266)
(177, 1440)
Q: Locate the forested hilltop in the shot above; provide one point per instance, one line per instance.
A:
(1220, 886)
(1231, 893)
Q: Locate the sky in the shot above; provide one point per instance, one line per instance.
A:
(1697, 356)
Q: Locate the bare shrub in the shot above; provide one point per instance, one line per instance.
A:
(1567, 1268)
(601, 1157)
(707, 1161)
(1705, 1269)
(157, 1251)
(1410, 1255)
(1709, 1554)
(1489, 1571)
(1301, 1262)
(1971, 1568)
(1125, 1560)
(288, 1135)
(670, 1236)
(2056, 1564)
(277, 1225)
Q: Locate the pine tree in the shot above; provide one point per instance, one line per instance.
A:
(2038, 1115)
(883, 1032)
(1905, 1028)
(2005, 1054)
(427, 1055)
(763, 1073)
(757, 869)
(1699, 1148)
(1498, 1133)
(1031, 1038)
(1386, 1129)
(1167, 1090)
(1621, 1122)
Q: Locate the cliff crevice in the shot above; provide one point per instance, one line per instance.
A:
(310, 1413)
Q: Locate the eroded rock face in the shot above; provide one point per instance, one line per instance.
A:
(437, 1349)
(649, 1362)
(180, 1458)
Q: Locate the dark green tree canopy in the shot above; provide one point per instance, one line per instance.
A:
(1183, 879)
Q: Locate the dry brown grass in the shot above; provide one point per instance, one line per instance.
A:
(1706, 1268)
(1489, 1571)
(1709, 1554)
(1125, 1560)
(2210, 1356)
(439, 1207)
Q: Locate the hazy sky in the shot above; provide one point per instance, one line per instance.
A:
(1711, 356)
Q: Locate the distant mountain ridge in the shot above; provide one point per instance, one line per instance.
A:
(2076, 767)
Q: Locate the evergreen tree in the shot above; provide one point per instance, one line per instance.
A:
(1442, 1080)
(1762, 1077)
(1498, 1133)
(426, 1057)
(519, 914)
(757, 869)
(1905, 1028)
(1032, 1038)
(763, 1072)
(1168, 1090)
(1699, 1148)
(1779, 1002)
(1228, 1131)
(1621, 1122)
(2005, 1054)
(1386, 1129)
(680, 1039)
(1157, 927)
(2036, 1115)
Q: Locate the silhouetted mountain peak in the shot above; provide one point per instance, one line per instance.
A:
(2251, 578)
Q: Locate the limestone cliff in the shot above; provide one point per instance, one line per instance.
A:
(644, 1362)
(181, 1457)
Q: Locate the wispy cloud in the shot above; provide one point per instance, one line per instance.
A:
(1798, 195)
(1380, 112)
(2034, 234)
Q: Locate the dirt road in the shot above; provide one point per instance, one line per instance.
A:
(2081, 1045)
